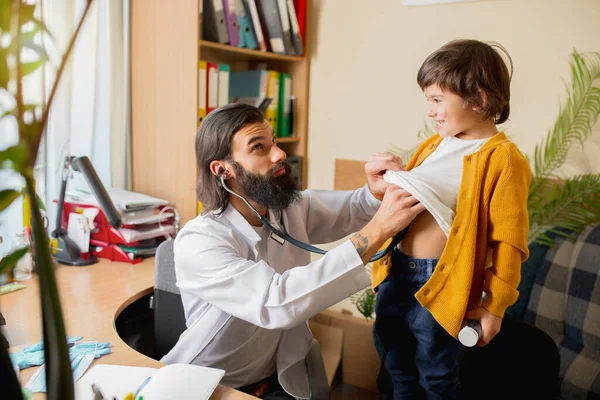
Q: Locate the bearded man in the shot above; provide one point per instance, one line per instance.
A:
(247, 294)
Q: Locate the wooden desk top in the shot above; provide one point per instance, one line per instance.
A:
(91, 298)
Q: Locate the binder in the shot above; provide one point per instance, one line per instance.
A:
(300, 6)
(248, 87)
(256, 24)
(223, 97)
(295, 29)
(247, 38)
(213, 24)
(201, 91)
(285, 92)
(285, 27)
(272, 111)
(212, 88)
(269, 16)
(231, 21)
(292, 115)
(201, 15)
(295, 163)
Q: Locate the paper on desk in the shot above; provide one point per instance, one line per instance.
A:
(174, 381)
(123, 199)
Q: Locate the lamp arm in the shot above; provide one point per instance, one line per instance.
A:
(84, 165)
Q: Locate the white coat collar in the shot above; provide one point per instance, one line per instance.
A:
(240, 223)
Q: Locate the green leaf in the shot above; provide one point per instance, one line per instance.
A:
(7, 197)
(4, 73)
(26, 13)
(40, 25)
(26, 107)
(10, 261)
(40, 202)
(5, 12)
(31, 67)
(15, 157)
(571, 205)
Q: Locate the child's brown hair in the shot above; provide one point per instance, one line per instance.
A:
(474, 71)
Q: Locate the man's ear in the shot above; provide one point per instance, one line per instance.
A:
(218, 168)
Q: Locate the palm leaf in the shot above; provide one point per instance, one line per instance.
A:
(575, 118)
(572, 205)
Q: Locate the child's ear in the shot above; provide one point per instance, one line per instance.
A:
(483, 100)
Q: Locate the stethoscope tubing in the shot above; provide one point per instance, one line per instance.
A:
(306, 246)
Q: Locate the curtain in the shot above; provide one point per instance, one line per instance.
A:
(90, 114)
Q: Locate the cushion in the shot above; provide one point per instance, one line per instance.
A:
(565, 303)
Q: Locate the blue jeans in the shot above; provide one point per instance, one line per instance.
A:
(419, 355)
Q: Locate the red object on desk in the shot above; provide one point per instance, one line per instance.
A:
(112, 252)
(105, 238)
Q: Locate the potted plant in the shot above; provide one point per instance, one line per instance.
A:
(20, 30)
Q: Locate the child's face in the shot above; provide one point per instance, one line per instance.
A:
(452, 115)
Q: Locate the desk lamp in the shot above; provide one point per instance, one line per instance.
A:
(67, 250)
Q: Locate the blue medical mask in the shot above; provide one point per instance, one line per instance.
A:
(82, 355)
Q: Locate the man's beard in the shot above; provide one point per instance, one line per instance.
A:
(275, 193)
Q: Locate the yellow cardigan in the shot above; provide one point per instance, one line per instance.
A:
(491, 221)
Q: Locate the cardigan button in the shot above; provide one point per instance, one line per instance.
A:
(443, 267)
(468, 159)
(426, 292)
(465, 194)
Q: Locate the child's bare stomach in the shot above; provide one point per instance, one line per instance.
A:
(425, 239)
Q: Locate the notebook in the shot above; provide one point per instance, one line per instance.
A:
(174, 381)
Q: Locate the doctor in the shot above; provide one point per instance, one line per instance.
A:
(247, 297)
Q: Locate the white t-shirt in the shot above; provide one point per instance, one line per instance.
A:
(436, 181)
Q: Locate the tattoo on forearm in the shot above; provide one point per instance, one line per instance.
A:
(361, 243)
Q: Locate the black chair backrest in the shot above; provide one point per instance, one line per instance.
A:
(523, 359)
(169, 318)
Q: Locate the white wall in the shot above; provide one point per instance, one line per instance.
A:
(366, 54)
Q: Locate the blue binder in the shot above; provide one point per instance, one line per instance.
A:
(247, 38)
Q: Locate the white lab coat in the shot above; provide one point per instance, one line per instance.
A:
(221, 276)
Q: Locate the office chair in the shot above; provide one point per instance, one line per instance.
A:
(521, 362)
(169, 320)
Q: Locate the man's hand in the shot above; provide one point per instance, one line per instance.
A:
(375, 168)
(490, 324)
(395, 213)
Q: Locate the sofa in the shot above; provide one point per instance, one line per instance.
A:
(559, 293)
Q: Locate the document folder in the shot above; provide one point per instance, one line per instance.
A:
(213, 24)
(269, 13)
(247, 38)
(231, 20)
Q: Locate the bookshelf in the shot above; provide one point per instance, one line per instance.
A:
(164, 84)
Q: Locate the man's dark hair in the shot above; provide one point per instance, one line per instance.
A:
(467, 68)
(213, 142)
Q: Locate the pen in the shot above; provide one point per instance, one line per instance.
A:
(97, 393)
(141, 387)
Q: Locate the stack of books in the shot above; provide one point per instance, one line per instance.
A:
(146, 222)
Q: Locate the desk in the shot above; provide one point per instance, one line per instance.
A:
(91, 297)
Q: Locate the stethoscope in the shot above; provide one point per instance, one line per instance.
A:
(281, 235)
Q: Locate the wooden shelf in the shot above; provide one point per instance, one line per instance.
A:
(247, 53)
(287, 139)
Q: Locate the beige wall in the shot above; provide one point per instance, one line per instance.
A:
(366, 54)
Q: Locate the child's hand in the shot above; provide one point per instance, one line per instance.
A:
(490, 324)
